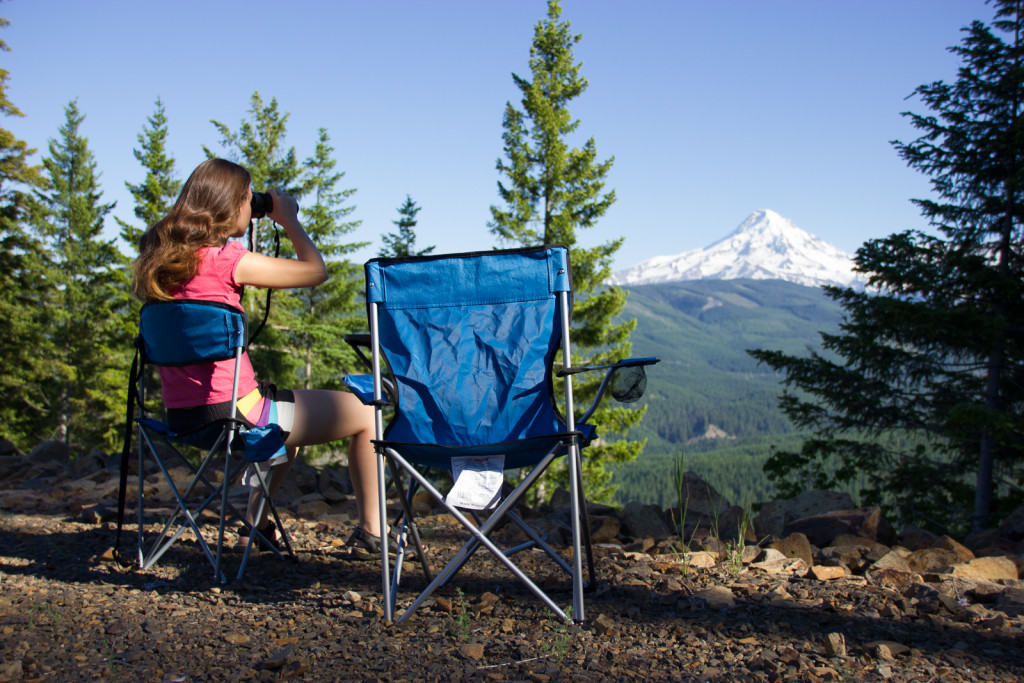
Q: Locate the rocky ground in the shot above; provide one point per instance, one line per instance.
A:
(859, 607)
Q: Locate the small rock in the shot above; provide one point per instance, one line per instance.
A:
(835, 645)
(716, 597)
(12, 671)
(603, 625)
(702, 559)
(236, 638)
(473, 651)
(784, 565)
(822, 573)
(891, 647)
(116, 628)
(278, 659)
(891, 560)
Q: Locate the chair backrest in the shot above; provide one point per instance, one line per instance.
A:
(470, 339)
(188, 331)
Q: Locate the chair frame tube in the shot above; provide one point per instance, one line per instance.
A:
(575, 476)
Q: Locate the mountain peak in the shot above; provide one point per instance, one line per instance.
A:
(765, 246)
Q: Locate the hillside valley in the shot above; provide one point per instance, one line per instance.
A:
(708, 399)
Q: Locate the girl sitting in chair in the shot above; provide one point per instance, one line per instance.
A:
(188, 255)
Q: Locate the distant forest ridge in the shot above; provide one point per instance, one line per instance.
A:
(706, 384)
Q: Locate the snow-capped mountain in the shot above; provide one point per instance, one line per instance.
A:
(765, 246)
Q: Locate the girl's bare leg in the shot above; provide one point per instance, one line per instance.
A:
(322, 416)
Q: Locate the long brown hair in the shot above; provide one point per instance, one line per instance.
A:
(204, 215)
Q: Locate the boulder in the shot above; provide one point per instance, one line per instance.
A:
(916, 538)
(931, 560)
(731, 526)
(644, 521)
(775, 513)
(334, 478)
(50, 451)
(891, 560)
(702, 507)
(93, 461)
(796, 546)
(987, 569)
(978, 541)
(604, 528)
(850, 556)
(860, 542)
(823, 528)
(963, 554)
(303, 476)
(1012, 527)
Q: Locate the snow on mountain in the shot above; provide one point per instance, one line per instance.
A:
(765, 246)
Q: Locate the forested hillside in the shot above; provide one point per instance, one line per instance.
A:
(701, 330)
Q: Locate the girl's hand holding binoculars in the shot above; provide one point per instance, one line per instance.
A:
(285, 210)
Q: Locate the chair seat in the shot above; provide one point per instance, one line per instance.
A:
(519, 453)
(259, 443)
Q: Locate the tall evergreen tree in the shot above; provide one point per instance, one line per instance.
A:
(403, 243)
(25, 293)
(155, 195)
(259, 145)
(89, 321)
(327, 313)
(552, 191)
(927, 395)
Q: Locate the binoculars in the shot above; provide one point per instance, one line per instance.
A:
(261, 204)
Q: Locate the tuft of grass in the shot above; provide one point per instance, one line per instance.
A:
(679, 479)
(462, 623)
(559, 645)
(736, 548)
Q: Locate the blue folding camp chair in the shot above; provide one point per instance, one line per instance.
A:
(188, 332)
(470, 342)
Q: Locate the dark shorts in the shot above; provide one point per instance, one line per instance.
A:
(184, 419)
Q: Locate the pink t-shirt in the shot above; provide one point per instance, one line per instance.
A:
(209, 383)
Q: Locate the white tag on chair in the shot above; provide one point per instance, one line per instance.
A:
(478, 481)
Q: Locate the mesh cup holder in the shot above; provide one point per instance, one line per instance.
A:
(628, 384)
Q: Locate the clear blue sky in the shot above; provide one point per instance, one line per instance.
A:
(711, 108)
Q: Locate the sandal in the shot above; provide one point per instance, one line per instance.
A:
(268, 531)
(362, 545)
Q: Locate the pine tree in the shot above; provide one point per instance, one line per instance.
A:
(89, 322)
(333, 309)
(403, 243)
(926, 395)
(259, 145)
(158, 190)
(554, 190)
(25, 294)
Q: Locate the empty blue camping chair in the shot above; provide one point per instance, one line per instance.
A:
(467, 346)
(189, 332)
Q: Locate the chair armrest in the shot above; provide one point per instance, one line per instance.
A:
(362, 387)
(359, 341)
(636, 386)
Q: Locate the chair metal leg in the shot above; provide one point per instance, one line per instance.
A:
(406, 518)
(480, 538)
(256, 535)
